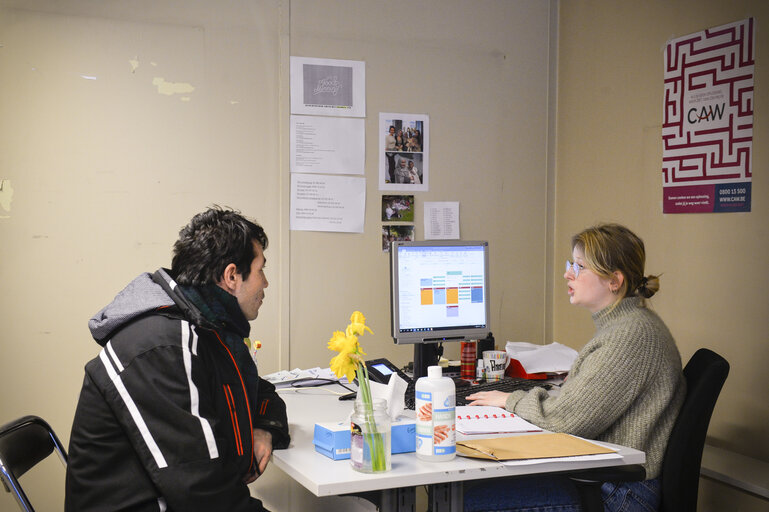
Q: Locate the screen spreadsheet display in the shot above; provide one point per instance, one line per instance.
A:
(441, 287)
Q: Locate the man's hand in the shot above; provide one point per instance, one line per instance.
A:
(262, 452)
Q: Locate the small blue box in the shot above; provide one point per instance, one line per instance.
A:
(333, 439)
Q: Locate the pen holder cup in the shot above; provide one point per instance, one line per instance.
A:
(370, 441)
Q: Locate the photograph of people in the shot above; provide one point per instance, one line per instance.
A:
(625, 387)
(389, 151)
(398, 208)
(396, 233)
(404, 152)
(407, 168)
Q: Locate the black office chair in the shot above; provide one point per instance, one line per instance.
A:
(24, 443)
(705, 375)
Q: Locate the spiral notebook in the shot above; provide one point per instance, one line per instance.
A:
(473, 419)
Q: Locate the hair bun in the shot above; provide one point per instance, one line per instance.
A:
(648, 286)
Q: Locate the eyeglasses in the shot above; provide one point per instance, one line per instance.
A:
(574, 267)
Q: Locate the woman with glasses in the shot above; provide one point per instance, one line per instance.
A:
(625, 387)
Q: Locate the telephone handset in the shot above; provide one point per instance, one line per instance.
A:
(379, 370)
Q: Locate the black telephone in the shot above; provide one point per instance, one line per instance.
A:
(379, 370)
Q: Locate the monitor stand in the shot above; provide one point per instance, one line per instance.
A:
(426, 354)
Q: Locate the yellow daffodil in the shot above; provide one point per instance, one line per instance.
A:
(357, 324)
(349, 362)
(341, 342)
(346, 362)
(343, 364)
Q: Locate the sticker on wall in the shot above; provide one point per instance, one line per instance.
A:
(707, 130)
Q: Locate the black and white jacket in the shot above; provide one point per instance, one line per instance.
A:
(165, 417)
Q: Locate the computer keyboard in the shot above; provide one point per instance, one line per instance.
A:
(506, 385)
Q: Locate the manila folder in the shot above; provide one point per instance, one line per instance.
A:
(531, 446)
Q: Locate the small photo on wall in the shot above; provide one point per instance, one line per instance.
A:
(396, 233)
(398, 208)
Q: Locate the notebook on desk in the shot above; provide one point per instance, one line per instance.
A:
(490, 420)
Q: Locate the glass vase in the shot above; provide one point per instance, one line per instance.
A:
(370, 437)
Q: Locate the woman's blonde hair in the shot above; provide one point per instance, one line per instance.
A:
(608, 248)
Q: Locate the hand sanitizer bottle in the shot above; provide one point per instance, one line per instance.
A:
(435, 405)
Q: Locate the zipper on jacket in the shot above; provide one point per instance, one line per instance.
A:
(248, 406)
(233, 418)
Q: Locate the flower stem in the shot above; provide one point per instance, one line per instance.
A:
(373, 438)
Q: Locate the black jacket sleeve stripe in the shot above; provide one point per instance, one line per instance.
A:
(133, 410)
(208, 433)
(114, 357)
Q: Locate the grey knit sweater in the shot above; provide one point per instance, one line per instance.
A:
(625, 387)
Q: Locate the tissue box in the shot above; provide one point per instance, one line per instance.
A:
(333, 439)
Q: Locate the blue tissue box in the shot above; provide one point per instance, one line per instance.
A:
(333, 439)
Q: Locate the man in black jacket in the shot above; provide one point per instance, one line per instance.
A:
(173, 415)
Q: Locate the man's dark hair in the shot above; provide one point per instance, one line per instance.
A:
(212, 240)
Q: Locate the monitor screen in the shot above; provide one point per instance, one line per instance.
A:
(439, 291)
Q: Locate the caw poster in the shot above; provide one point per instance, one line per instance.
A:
(707, 126)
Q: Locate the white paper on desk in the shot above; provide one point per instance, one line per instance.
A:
(327, 203)
(474, 419)
(552, 358)
(578, 458)
(333, 145)
(285, 378)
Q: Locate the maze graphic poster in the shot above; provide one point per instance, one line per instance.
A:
(707, 129)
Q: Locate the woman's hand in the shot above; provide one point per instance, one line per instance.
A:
(494, 398)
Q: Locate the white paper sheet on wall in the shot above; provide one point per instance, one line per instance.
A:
(442, 220)
(327, 203)
(333, 145)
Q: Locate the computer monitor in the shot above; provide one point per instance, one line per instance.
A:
(439, 292)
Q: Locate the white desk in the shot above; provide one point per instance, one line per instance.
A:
(325, 477)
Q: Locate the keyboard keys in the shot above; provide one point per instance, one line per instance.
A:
(506, 385)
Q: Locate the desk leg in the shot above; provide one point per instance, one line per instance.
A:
(398, 500)
(448, 497)
(391, 500)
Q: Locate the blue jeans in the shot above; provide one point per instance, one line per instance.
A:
(557, 494)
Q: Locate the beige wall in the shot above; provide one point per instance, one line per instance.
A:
(104, 172)
(713, 288)
(105, 168)
(481, 74)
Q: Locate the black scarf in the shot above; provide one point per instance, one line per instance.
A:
(222, 310)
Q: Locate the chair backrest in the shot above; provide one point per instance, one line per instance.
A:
(24, 443)
(705, 374)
